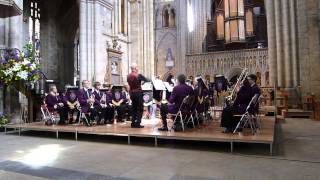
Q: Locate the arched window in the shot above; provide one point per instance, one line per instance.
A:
(172, 21)
(166, 18)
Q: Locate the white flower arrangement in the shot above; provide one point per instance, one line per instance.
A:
(16, 66)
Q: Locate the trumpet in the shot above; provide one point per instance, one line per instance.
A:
(233, 95)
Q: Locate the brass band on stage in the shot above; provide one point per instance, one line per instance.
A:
(106, 104)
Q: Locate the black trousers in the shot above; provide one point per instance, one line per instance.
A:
(106, 113)
(120, 111)
(71, 112)
(228, 120)
(92, 113)
(63, 114)
(137, 107)
(128, 111)
(163, 113)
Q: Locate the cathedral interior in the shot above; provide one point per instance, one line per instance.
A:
(98, 40)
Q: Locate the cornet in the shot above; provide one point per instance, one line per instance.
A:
(91, 101)
(103, 100)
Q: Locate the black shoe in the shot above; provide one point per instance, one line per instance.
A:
(164, 128)
(227, 130)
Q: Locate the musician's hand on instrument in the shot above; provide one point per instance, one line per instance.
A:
(55, 106)
(61, 104)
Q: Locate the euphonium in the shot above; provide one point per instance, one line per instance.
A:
(233, 95)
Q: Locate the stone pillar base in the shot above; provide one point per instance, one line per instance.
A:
(294, 98)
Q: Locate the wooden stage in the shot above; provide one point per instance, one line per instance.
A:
(210, 131)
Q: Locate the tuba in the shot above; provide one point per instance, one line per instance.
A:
(233, 95)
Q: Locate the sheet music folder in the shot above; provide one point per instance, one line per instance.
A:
(159, 85)
(168, 86)
(147, 86)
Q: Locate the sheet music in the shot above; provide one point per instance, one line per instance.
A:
(168, 86)
(159, 85)
(147, 86)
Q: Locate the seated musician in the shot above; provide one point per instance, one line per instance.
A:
(71, 103)
(201, 93)
(119, 102)
(100, 102)
(55, 104)
(87, 100)
(244, 96)
(176, 98)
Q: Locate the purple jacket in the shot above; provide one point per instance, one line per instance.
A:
(121, 97)
(83, 96)
(200, 96)
(178, 94)
(51, 101)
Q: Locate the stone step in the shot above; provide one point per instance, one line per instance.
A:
(298, 113)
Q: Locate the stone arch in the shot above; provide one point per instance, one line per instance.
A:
(167, 41)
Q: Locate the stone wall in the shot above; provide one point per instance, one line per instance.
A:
(229, 63)
(166, 38)
(308, 12)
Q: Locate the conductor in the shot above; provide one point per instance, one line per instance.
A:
(136, 95)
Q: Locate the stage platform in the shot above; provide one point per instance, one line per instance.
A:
(209, 131)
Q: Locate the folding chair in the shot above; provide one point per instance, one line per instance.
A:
(83, 118)
(47, 117)
(179, 114)
(249, 116)
(191, 110)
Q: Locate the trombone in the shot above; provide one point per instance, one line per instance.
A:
(233, 95)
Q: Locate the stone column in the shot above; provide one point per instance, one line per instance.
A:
(272, 46)
(286, 32)
(83, 47)
(294, 45)
(279, 41)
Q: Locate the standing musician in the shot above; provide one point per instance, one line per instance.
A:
(244, 96)
(176, 98)
(119, 102)
(71, 103)
(87, 100)
(136, 94)
(201, 93)
(55, 104)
